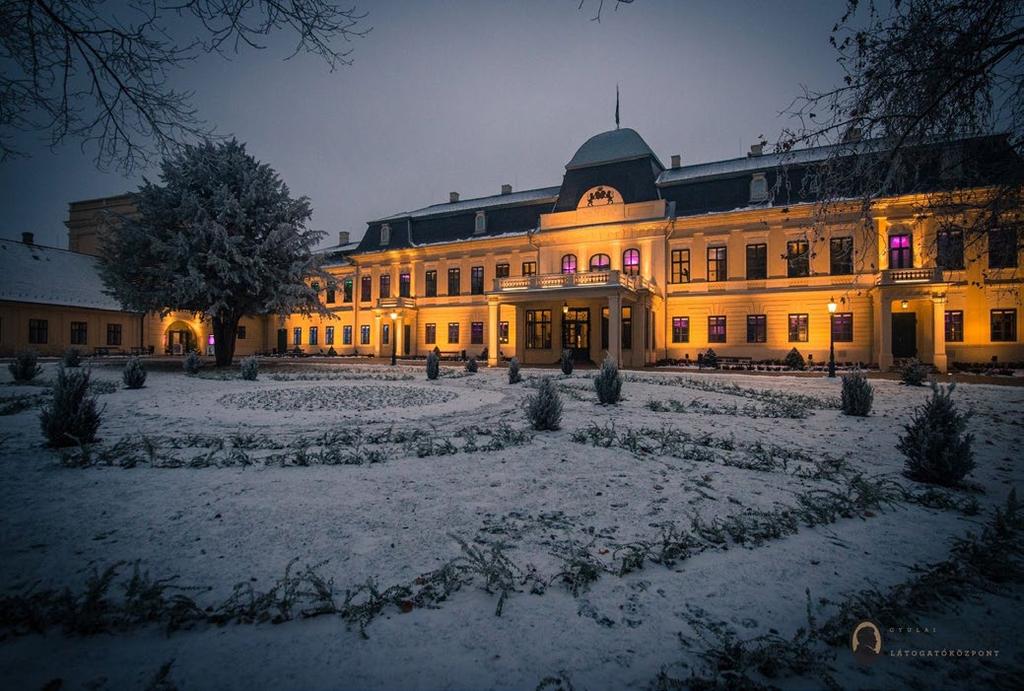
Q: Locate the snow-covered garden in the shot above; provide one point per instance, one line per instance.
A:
(365, 527)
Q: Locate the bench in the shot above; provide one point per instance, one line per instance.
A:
(452, 354)
(732, 362)
(101, 350)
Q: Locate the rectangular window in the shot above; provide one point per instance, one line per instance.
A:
(798, 328)
(430, 284)
(757, 262)
(476, 333)
(79, 333)
(680, 266)
(38, 331)
(716, 329)
(501, 271)
(680, 329)
(797, 260)
(529, 268)
(453, 332)
(476, 280)
(364, 334)
(538, 329)
(385, 286)
(240, 333)
(346, 290)
(430, 335)
(718, 265)
(842, 327)
(346, 334)
(502, 332)
(757, 328)
(1004, 325)
(297, 336)
(365, 288)
(113, 334)
(1002, 248)
(329, 335)
(954, 326)
(454, 282)
(840, 256)
(314, 334)
(404, 285)
(385, 333)
(627, 328)
(332, 289)
(950, 254)
(901, 253)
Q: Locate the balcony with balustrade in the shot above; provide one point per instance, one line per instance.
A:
(511, 285)
(905, 276)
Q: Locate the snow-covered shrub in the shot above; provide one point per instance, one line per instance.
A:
(566, 361)
(134, 374)
(433, 366)
(544, 409)
(471, 365)
(709, 359)
(913, 373)
(331, 352)
(794, 360)
(191, 363)
(857, 394)
(72, 358)
(608, 382)
(25, 366)
(250, 368)
(513, 371)
(72, 417)
(935, 444)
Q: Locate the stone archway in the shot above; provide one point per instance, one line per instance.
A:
(180, 338)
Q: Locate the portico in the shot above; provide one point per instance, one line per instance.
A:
(910, 316)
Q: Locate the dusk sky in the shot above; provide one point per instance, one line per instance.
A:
(465, 96)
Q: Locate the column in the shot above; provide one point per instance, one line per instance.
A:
(884, 333)
(521, 333)
(615, 327)
(939, 359)
(399, 335)
(377, 335)
(640, 318)
(493, 314)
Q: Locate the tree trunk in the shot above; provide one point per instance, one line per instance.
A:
(225, 330)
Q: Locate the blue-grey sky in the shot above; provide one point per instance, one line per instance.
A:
(467, 95)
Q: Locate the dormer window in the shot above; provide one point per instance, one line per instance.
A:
(385, 233)
(758, 187)
(481, 223)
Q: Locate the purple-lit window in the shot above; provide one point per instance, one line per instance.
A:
(901, 254)
(569, 264)
(631, 262)
(476, 333)
(716, 329)
(600, 262)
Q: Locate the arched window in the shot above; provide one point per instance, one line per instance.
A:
(600, 262)
(631, 262)
(569, 264)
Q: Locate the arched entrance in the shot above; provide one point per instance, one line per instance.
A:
(179, 338)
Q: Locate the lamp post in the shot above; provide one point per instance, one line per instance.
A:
(394, 339)
(831, 337)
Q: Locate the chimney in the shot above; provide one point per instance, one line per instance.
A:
(27, 238)
(453, 197)
(677, 160)
(506, 189)
(342, 237)
(756, 150)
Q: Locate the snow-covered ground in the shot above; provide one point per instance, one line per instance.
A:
(231, 480)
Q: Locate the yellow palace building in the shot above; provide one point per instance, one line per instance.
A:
(641, 261)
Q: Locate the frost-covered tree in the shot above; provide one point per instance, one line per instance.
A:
(222, 237)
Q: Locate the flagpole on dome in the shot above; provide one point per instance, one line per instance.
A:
(616, 106)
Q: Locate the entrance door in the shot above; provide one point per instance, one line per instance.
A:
(904, 335)
(406, 337)
(576, 332)
(282, 340)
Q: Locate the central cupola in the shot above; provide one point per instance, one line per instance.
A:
(614, 167)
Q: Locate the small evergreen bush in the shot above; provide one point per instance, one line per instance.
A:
(608, 382)
(513, 371)
(134, 374)
(250, 368)
(72, 357)
(25, 366)
(72, 417)
(857, 394)
(935, 444)
(331, 352)
(192, 363)
(433, 366)
(471, 365)
(913, 373)
(566, 361)
(710, 359)
(794, 360)
(544, 409)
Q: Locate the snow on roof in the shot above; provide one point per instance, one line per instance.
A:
(608, 147)
(51, 276)
(478, 203)
(347, 247)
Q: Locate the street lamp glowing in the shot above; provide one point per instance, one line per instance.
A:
(394, 316)
(565, 308)
(832, 337)
(832, 305)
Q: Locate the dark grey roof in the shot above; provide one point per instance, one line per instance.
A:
(611, 147)
(478, 204)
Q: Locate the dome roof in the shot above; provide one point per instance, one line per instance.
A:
(611, 146)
